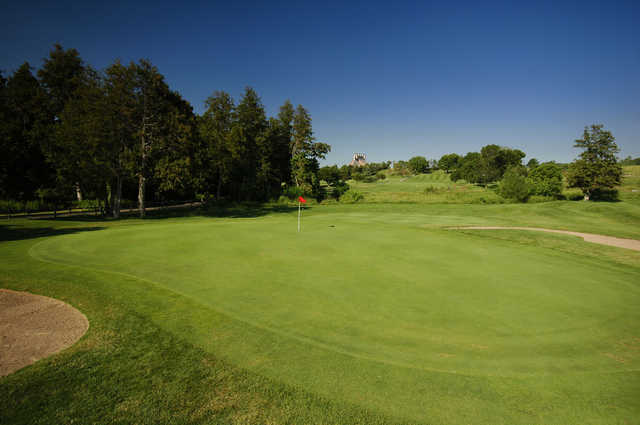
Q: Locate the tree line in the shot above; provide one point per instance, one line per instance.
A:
(596, 172)
(72, 132)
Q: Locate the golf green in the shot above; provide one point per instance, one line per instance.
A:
(414, 321)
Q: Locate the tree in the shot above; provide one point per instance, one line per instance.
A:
(545, 180)
(533, 163)
(305, 153)
(449, 162)
(60, 76)
(121, 125)
(472, 169)
(23, 167)
(247, 146)
(596, 171)
(497, 159)
(215, 129)
(62, 73)
(514, 185)
(418, 165)
(83, 148)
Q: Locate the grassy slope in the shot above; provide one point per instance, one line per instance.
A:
(412, 189)
(204, 366)
(437, 188)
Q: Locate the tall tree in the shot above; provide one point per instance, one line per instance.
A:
(61, 74)
(121, 114)
(82, 152)
(248, 145)
(305, 152)
(23, 168)
(174, 168)
(596, 171)
(152, 114)
(449, 162)
(215, 158)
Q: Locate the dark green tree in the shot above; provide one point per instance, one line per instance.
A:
(61, 74)
(83, 149)
(249, 147)
(449, 162)
(472, 169)
(418, 165)
(545, 180)
(23, 167)
(533, 163)
(305, 153)
(215, 158)
(596, 172)
(514, 185)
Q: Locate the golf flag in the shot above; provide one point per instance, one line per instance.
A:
(301, 201)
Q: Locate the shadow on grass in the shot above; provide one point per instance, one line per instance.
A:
(10, 232)
(221, 210)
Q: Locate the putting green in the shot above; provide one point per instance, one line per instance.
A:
(387, 310)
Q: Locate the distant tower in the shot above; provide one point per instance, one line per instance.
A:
(358, 160)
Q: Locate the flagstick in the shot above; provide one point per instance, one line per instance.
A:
(298, 216)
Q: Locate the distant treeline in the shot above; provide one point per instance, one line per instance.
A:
(630, 161)
(69, 132)
(596, 172)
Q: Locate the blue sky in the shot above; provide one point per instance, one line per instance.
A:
(392, 79)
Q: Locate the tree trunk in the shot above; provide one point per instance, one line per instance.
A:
(78, 192)
(141, 177)
(219, 190)
(141, 187)
(116, 199)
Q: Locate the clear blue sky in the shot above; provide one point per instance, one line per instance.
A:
(391, 79)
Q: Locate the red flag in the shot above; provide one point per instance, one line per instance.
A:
(301, 199)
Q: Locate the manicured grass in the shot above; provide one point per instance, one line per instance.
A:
(375, 313)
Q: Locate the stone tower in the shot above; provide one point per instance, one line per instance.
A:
(358, 160)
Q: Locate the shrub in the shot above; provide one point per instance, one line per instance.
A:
(418, 165)
(292, 192)
(434, 189)
(604, 194)
(546, 180)
(514, 186)
(380, 175)
(339, 189)
(351, 196)
(535, 199)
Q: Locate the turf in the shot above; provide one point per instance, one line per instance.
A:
(375, 313)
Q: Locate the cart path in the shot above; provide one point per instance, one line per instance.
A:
(633, 244)
(33, 327)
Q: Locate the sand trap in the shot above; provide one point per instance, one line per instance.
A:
(33, 327)
(589, 237)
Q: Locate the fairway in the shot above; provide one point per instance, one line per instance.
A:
(387, 312)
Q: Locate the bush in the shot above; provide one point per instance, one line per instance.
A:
(434, 189)
(339, 189)
(418, 165)
(380, 175)
(351, 196)
(572, 194)
(546, 180)
(292, 192)
(610, 195)
(514, 186)
(535, 199)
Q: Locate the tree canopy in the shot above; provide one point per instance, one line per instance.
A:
(596, 171)
(122, 133)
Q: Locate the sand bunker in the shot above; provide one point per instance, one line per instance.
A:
(588, 237)
(33, 327)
